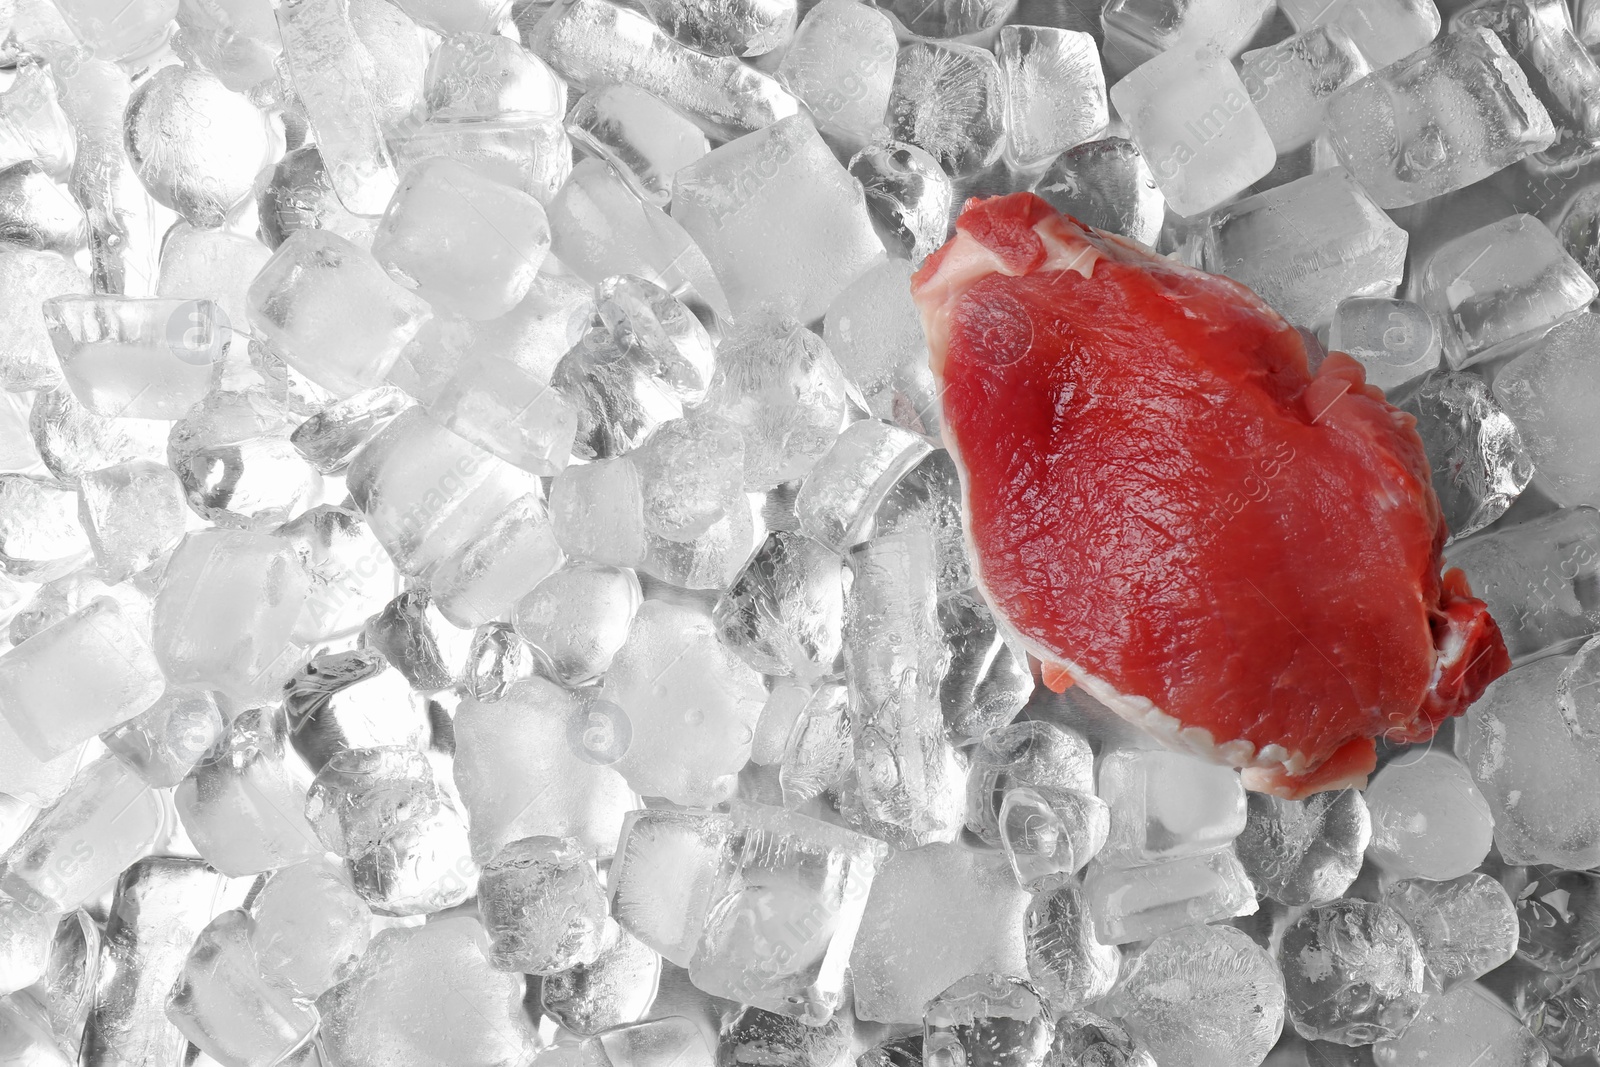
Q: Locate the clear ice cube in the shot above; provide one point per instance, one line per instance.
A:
(1543, 390)
(1466, 926)
(578, 617)
(1167, 804)
(1136, 903)
(308, 928)
(987, 1018)
(1428, 818)
(908, 195)
(784, 613)
(1309, 851)
(1395, 341)
(643, 137)
(841, 65)
(1055, 91)
(1480, 464)
(614, 990)
(1467, 1022)
(1386, 31)
(1352, 972)
(542, 905)
(841, 495)
(1065, 959)
(134, 514)
(873, 330)
(1291, 81)
(473, 77)
(949, 100)
(127, 357)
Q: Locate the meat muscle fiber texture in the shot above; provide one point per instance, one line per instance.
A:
(1170, 510)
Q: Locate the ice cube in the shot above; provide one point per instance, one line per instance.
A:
(1539, 35)
(744, 28)
(1479, 462)
(616, 394)
(1136, 30)
(987, 682)
(1501, 284)
(598, 512)
(1565, 1021)
(137, 358)
(535, 763)
(908, 195)
(781, 385)
(38, 212)
(128, 33)
(86, 674)
(351, 575)
(755, 1037)
(426, 996)
(1049, 833)
(663, 877)
(483, 580)
(592, 42)
(1384, 30)
(467, 243)
(1395, 341)
(402, 836)
(987, 1018)
(41, 538)
(949, 99)
(1526, 747)
(542, 906)
(906, 783)
(691, 706)
(1194, 124)
(669, 1041)
(1352, 972)
(1167, 804)
(227, 606)
(1084, 1038)
(308, 929)
(329, 310)
(783, 614)
(1027, 753)
(237, 40)
(1055, 91)
(1466, 927)
(1307, 245)
(1469, 1021)
(1136, 903)
(784, 911)
(1543, 391)
(1448, 114)
(29, 779)
(1307, 851)
(841, 65)
(1069, 965)
(350, 700)
(195, 145)
(324, 57)
(298, 194)
(873, 329)
(71, 440)
(842, 493)
(159, 908)
(639, 134)
(1204, 996)
(690, 468)
(134, 513)
(1290, 81)
(223, 1004)
(779, 218)
(25, 1024)
(107, 819)
(820, 747)
(528, 153)
(35, 126)
(578, 617)
(473, 77)
(233, 453)
(1428, 818)
(928, 498)
(25, 938)
(27, 279)
(614, 990)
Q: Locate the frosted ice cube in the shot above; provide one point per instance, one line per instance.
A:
(308, 929)
(779, 218)
(1395, 341)
(1468, 1021)
(134, 513)
(639, 134)
(1479, 462)
(402, 836)
(1194, 124)
(467, 243)
(228, 603)
(781, 385)
(1307, 851)
(1167, 804)
(949, 99)
(841, 65)
(473, 77)
(1307, 245)
(41, 538)
(1135, 903)
(988, 1018)
(84, 675)
(784, 613)
(1450, 113)
(908, 195)
(842, 493)
(535, 763)
(223, 1003)
(324, 58)
(196, 145)
(784, 911)
(689, 468)
(243, 804)
(614, 990)
(1065, 960)
(1428, 818)
(592, 42)
(25, 938)
(1536, 577)
(27, 279)
(578, 617)
(973, 902)
(663, 877)
(542, 905)
(598, 512)
(1290, 81)
(38, 212)
(426, 996)
(616, 394)
(35, 126)
(107, 819)
(329, 310)
(1385, 30)
(711, 560)
(1352, 972)
(70, 440)
(25, 1022)
(1500, 284)
(29, 779)
(1055, 90)
(1543, 390)
(482, 580)
(1466, 927)
(744, 28)
(1205, 996)
(873, 329)
(692, 705)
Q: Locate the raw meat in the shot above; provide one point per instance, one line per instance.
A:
(1170, 510)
